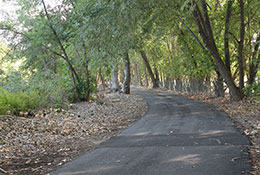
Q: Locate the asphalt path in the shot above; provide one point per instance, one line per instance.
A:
(177, 136)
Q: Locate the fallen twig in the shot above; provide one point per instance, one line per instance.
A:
(3, 171)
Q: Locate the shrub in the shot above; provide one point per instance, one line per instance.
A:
(253, 91)
(18, 101)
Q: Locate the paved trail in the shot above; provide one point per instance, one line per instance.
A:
(178, 136)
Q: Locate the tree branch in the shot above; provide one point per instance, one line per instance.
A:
(192, 33)
(16, 32)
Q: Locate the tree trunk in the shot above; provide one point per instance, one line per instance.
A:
(127, 78)
(146, 79)
(178, 85)
(87, 97)
(66, 58)
(226, 37)
(255, 60)
(121, 76)
(137, 74)
(219, 86)
(115, 84)
(103, 83)
(87, 80)
(241, 46)
(149, 69)
(206, 33)
(208, 85)
(157, 78)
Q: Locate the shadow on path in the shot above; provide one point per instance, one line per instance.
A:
(178, 136)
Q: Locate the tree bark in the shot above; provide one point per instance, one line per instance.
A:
(193, 34)
(156, 72)
(219, 86)
(146, 79)
(103, 83)
(127, 78)
(149, 69)
(241, 46)
(115, 84)
(255, 61)
(137, 74)
(226, 37)
(206, 33)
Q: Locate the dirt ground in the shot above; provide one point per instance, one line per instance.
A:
(39, 144)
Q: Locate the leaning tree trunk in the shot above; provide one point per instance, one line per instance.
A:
(65, 57)
(115, 84)
(149, 69)
(127, 78)
(206, 33)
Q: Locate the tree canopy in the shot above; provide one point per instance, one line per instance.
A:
(79, 43)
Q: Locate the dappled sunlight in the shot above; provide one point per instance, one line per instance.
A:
(142, 133)
(196, 113)
(212, 133)
(161, 103)
(190, 159)
(89, 170)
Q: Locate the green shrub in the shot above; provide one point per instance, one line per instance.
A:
(253, 92)
(16, 102)
(53, 91)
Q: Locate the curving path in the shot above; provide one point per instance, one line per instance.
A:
(178, 136)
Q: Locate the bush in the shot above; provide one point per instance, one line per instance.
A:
(37, 91)
(16, 102)
(253, 91)
(53, 90)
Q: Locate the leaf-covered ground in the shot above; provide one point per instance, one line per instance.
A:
(53, 137)
(38, 144)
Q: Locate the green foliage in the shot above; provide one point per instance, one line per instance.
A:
(39, 91)
(18, 101)
(253, 91)
(98, 32)
(13, 81)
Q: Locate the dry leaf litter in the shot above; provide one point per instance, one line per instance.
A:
(50, 138)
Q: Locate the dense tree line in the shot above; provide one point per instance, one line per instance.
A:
(81, 43)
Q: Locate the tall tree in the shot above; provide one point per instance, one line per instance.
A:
(241, 46)
(226, 35)
(255, 61)
(71, 68)
(127, 78)
(205, 30)
(115, 84)
(149, 69)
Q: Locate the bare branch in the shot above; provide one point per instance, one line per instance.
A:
(16, 32)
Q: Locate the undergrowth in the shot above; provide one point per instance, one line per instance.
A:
(15, 102)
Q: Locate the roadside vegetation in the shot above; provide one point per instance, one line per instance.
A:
(54, 53)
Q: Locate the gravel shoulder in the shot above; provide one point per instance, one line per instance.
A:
(40, 144)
